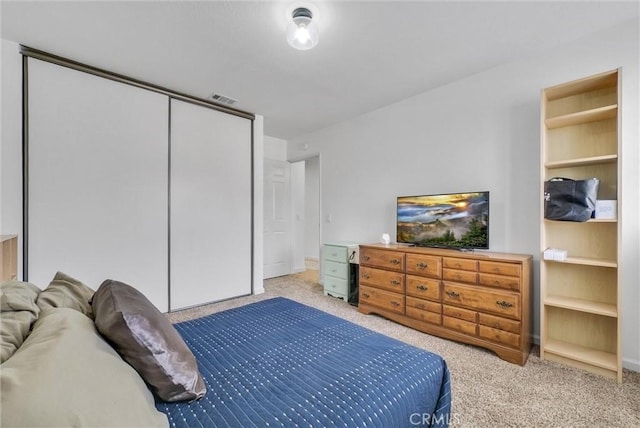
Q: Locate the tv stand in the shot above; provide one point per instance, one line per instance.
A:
(482, 299)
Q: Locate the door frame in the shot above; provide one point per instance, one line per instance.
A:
(293, 236)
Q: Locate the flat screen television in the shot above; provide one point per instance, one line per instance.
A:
(453, 220)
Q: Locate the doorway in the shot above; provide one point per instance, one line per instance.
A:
(305, 185)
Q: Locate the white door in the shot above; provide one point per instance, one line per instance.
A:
(277, 221)
(97, 181)
(211, 234)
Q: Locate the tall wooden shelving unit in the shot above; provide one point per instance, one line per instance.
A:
(580, 296)
(8, 257)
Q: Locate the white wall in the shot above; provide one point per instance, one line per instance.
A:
(479, 133)
(11, 144)
(259, 144)
(275, 148)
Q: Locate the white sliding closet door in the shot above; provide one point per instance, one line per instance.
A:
(98, 181)
(211, 239)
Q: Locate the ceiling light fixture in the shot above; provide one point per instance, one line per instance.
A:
(302, 32)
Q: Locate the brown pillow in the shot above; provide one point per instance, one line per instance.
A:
(145, 338)
(66, 292)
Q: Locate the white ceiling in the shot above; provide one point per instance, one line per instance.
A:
(370, 54)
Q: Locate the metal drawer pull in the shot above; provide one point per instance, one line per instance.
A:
(366, 258)
(365, 275)
(504, 304)
(420, 306)
(395, 282)
(422, 265)
(365, 295)
(394, 303)
(458, 265)
(422, 287)
(394, 261)
(497, 270)
(334, 254)
(453, 294)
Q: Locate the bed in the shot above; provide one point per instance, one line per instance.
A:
(280, 363)
(275, 362)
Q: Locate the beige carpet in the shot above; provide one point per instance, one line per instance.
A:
(486, 391)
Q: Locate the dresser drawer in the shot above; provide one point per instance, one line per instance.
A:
(499, 336)
(499, 323)
(508, 282)
(463, 314)
(426, 316)
(338, 270)
(460, 325)
(335, 286)
(424, 305)
(498, 268)
(459, 264)
(498, 302)
(418, 264)
(460, 276)
(392, 260)
(423, 287)
(335, 253)
(392, 281)
(383, 299)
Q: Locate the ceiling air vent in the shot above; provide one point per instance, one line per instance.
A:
(223, 99)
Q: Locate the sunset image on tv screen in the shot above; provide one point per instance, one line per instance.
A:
(456, 220)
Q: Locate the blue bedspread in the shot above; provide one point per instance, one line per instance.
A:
(280, 363)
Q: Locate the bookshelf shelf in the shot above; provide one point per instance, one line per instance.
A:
(580, 297)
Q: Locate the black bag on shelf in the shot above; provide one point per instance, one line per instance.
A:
(570, 200)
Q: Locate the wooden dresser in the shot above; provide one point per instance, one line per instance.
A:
(479, 298)
(8, 257)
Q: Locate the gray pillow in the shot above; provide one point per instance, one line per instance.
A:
(66, 292)
(146, 339)
(19, 311)
(66, 375)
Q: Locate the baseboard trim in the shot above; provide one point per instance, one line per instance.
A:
(629, 364)
(535, 338)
